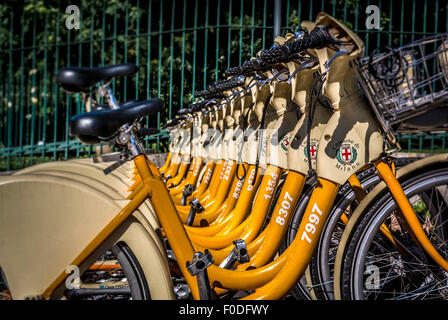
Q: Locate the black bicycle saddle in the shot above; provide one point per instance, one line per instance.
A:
(81, 79)
(93, 127)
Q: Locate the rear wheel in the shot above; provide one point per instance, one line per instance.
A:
(117, 275)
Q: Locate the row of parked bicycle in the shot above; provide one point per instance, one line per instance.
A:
(280, 181)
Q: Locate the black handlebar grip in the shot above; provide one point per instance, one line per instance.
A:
(169, 123)
(274, 54)
(195, 108)
(198, 105)
(234, 71)
(318, 38)
(201, 93)
(184, 111)
(216, 95)
(224, 85)
(248, 67)
(251, 66)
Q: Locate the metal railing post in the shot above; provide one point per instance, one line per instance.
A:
(277, 18)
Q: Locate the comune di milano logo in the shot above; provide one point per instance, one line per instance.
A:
(346, 154)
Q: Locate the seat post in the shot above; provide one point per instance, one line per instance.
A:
(134, 145)
(106, 91)
(111, 98)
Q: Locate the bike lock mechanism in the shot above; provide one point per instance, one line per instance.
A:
(239, 253)
(188, 190)
(198, 267)
(195, 207)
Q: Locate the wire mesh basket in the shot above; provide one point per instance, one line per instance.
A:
(402, 83)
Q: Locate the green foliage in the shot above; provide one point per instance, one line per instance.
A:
(420, 207)
(174, 62)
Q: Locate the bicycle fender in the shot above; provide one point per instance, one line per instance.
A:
(85, 169)
(50, 220)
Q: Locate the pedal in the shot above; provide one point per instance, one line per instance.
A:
(188, 190)
(182, 291)
(195, 207)
(239, 253)
(115, 165)
(198, 267)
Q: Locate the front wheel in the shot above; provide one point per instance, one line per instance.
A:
(379, 267)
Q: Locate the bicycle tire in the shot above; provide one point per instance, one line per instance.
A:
(365, 231)
(319, 268)
(322, 260)
(133, 271)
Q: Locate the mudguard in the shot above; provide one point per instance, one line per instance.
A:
(47, 220)
(83, 169)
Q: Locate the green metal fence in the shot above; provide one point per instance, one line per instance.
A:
(181, 46)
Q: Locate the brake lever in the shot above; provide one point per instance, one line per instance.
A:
(147, 131)
(115, 166)
(278, 74)
(311, 63)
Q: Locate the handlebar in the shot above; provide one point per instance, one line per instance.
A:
(225, 85)
(215, 89)
(170, 123)
(318, 38)
(184, 111)
(197, 106)
(248, 68)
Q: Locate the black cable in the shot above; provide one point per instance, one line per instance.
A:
(260, 139)
(245, 124)
(313, 104)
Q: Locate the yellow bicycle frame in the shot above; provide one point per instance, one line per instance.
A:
(251, 226)
(191, 177)
(167, 163)
(225, 211)
(172, 182)
(273, 280)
